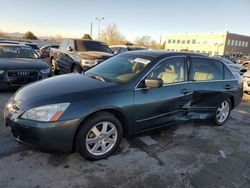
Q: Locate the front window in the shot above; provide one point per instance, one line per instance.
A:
(84, 46)
(120, 68)
(17, 52)
(170, 71)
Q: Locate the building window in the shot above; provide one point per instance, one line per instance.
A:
(236, 43)
(169, 41)
(228, 42)
(183, 41)
(178, 41)
(232, 43)
(239, 44)
(188, 41)
(173, 41)
(246, 44)
(193, 41)
(243, 44)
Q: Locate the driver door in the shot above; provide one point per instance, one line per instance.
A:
(167, 104)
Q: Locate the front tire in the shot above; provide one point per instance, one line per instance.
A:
(99, 136)
(222, 112)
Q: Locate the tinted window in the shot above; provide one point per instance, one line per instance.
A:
(206, 69)
(170, 71)
(17, 52)
(33, 46)
(227, 74)
(121, 68)
(85, 45)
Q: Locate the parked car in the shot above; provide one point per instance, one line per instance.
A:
(20, 42)
(20, 65)
(45, 50)
(246, 87)
(127, 94)
(125, 48)
(233, 66)
(76, 55)
(245, 61)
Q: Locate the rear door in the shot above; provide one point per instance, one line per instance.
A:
(169, 103)
(211, 83)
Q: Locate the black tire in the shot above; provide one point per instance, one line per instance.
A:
(54, 67)
(77, 69)
(215, 119)
(84, 130)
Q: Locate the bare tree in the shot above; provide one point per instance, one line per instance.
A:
(112, 36)
(57, 38)
(147, 42)
(2, 34)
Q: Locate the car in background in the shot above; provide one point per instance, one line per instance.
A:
(78, 55)
(233, 66)
(45, 50)
(244, 61)
(20, 42)
(20, 65)
(125, 95)
(246, 85)
(125, 48)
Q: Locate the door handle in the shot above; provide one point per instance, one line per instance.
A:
(228, 87)
(186, 91)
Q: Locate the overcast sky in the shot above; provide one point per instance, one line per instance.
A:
(71, 18)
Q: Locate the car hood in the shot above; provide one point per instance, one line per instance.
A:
(64, 88)
(22, 63)
(94, 55)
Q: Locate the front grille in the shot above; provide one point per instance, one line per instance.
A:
(22, 77)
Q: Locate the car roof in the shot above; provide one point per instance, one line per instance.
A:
(125, 46)
(159, 53)
(10, 44)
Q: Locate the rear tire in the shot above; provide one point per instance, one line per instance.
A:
(222, 112)
(99, 136)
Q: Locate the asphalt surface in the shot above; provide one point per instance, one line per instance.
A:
(184, 155)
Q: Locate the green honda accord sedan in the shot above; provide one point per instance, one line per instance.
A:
(125, 95)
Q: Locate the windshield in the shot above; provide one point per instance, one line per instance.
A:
(84, 46)
(120, 68)
(17, 52)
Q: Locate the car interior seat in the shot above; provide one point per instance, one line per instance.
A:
(169, 75)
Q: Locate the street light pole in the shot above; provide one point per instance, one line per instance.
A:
(99, 21)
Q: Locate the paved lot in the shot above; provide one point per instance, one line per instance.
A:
(185, 155)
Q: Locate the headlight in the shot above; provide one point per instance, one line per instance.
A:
(1, 71)
(46, 113)
(45, 71)
(88, 62)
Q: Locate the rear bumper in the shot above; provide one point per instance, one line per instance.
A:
(56, 136)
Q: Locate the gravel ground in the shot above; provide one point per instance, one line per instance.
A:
(184, 155)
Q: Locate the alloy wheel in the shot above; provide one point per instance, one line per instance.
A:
(223, 111)
(101, 138)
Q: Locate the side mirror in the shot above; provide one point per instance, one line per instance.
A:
(153, 83)
(69, 49)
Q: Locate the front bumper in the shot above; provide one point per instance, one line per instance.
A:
(56, 136)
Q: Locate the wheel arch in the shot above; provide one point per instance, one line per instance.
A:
(116, 112)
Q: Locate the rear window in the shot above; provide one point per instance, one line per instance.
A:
(84, 46)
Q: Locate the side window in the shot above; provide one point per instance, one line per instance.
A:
(123, 50)
(206, 69)
(170, 71)
(227, 74)
(71, 44)
(64, 44)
